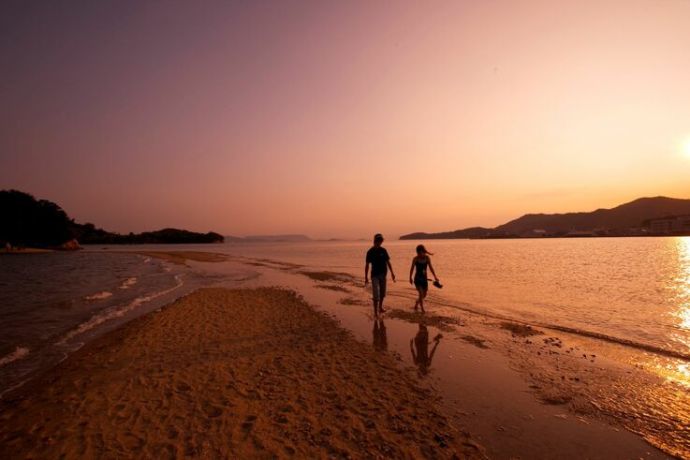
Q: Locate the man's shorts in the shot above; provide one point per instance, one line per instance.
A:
(378, 287)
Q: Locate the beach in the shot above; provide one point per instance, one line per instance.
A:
(229, 373)
(262, 357)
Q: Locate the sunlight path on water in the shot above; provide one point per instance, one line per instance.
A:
(680, 371)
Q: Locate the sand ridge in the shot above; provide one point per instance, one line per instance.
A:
(181, 257)
(229, 374)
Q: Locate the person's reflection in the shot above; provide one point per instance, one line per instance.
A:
(422, 358)
(380, 340)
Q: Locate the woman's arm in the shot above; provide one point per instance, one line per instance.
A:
(432, 268)
(411, 270)
(433, 350)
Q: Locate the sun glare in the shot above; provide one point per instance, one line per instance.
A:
(685, 148)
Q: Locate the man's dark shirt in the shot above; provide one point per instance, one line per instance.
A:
(378, 258)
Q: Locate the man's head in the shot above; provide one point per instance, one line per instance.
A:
(378, 239)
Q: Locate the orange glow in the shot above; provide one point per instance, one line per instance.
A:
(683, 283)
(677, 370)
(338, 121)
(685, 148)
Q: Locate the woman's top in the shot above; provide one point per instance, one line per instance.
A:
(420, 273)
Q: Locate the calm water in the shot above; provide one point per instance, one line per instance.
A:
(631, 291)
(51, 303)
(634, 290)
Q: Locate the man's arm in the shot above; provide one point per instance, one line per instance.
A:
(390, 267)
(366, 273)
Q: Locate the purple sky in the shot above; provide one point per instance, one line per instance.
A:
(342, 118)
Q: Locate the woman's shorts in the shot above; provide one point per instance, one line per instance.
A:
(421, 284)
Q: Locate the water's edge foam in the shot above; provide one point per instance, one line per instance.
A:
(16, 355)
(116, 312)
(576, 331)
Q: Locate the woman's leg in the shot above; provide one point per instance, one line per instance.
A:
(419, 298)
(422, 295)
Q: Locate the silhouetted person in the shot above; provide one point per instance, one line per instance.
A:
(380, 339)
(380, 263)
(419, 265)
(422, 358)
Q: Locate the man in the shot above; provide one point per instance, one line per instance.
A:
(378, 258)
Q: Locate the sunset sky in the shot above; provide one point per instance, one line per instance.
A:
(342, 119)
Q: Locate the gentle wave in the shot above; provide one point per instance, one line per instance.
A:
(17, 354)
(620, 341)
(128, 283)
(116, 312)
(99, 296)
(577, 331)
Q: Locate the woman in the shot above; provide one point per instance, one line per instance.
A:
(422, 358)
(418, 268)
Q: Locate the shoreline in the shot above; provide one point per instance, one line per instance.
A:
(512, 389)
(19, 251)
(490, 377)
(230, 373)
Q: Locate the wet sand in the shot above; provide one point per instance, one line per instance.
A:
(181, 257)
(518, 391)
(229, 373)
(25, 251)
(502, 381)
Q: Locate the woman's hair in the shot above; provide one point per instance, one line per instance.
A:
(422, 249)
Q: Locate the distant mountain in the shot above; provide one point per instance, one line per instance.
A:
(27, 221)
(472, 232)
(628, 215)
(269, 239)
(619, 220)
(88, 234)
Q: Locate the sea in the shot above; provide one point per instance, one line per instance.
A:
(631, 291)
(51, 304)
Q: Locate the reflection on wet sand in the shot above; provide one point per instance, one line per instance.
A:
(422, 358)
(380, 339)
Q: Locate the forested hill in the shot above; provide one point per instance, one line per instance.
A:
(625, 219)
(27, 221)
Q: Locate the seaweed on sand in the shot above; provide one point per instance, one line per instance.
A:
(520, 330)
(444, 323)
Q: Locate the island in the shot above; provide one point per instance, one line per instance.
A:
(28, 222)
(657, 216)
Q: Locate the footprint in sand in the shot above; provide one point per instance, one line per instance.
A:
(133, 442)
(183, 387)
(212, 411)
(248, 424)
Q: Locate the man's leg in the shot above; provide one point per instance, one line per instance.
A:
(376, 293)
(382, 293)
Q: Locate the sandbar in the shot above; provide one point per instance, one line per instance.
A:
(229, 373)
